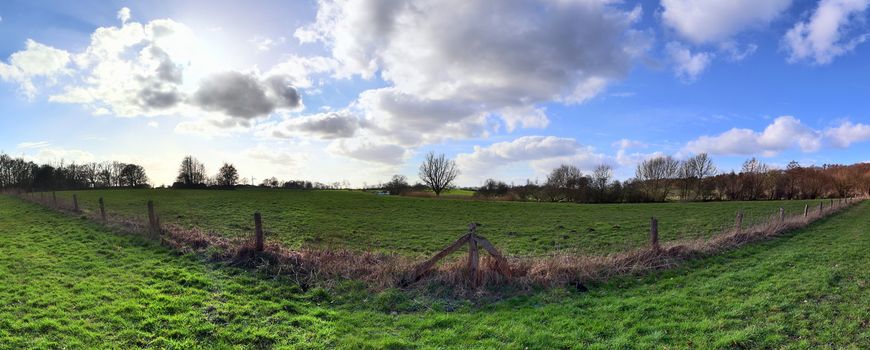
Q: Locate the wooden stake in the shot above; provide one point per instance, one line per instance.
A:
(473, 257)
(258, 232)
(75, 203)
(806, 210)
(781, 215)
(54, 198)
(102, 211)
(152, 218)
(821, 208)
(654, 233)
(738, 222)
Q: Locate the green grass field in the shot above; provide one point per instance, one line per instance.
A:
(66, 282)
(417, 226)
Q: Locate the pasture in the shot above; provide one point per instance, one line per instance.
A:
(420, 226)
(68, 282)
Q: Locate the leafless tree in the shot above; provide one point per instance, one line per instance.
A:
(566, 183)
(601, 180)
(656, 174)
(191, 172)
(694, 171)
(438, 172)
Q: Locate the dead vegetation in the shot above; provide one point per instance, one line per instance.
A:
(308, 267)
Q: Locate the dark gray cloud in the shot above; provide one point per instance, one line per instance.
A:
(331, 125)
(282, 92)
(244, 96)
(167, 71)
(153, 97)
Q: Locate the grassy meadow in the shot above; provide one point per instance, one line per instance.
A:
(418, 226)
(66, 282)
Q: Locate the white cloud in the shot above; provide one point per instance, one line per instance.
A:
(542, 153)
(688, 65)
(34, 144)
(36, 61)
(371, 152)
(847, 133)
(734, 52)
(154, 124)
(124, 14)
(451, 65)
(784, 133)
(704, 21)
(828, 33)
(626, 144)
(264, 44)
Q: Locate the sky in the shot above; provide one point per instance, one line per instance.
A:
(357, 90)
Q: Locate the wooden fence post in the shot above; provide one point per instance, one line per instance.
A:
(473, 257)
(654, 233)
(152, 219)
(806, 210)
(103, 211)
(54, 198)
(821, 208)
(75, 203)
(258, 232)
(738, 222)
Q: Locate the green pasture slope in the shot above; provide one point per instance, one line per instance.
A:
(418, 226)
(68, 283)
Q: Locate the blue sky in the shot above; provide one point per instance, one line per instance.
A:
(358, 90)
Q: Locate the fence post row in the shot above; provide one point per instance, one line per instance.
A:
(258, 232)
(102, 211)
(654, 233)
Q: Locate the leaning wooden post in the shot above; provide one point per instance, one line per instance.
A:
(806, 210)
(102, 210)
(738, 222)
(258, 232)
(75, 203)
(654, 233)
(473, 256)
(152, 219)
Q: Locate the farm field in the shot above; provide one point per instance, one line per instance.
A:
(67, 282)
(419, 226)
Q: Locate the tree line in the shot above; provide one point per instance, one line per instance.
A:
(26, 175)
(656, 180)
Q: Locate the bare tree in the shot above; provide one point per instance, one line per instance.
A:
(566, 183)
(438, 172)
(191, 172)
(227, 176)
(694, 171)
(656, 175)
(601, 180)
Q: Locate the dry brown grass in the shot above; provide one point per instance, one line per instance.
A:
(379, 271)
